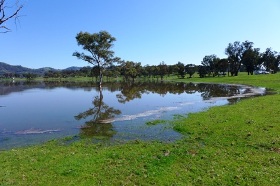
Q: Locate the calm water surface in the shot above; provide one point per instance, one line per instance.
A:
(34, 112)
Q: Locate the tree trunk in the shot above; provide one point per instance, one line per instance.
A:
(100, 76)
(100, 80)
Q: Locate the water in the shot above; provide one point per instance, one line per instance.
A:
(34, 112)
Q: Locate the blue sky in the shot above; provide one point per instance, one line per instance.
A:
(147, 31)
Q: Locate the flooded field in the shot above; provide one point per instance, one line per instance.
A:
(34, 112)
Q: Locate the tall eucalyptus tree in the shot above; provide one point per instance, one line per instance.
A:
(270, 60)
(250, 59)
(235, 53)
(99, 46)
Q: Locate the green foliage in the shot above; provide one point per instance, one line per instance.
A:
(202, 71)
(235, 54)
(162, 70)
(222, 65)
(270, 60)
(130, 69)
(181, 70)
(251, 59)
(190, 69)
(210, 64)
(98, 45)
(29, 76)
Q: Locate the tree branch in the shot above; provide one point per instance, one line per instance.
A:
(5, 18)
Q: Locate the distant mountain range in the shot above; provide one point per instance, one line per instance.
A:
(18, 69)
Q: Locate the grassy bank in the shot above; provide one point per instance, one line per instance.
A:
(227, 145)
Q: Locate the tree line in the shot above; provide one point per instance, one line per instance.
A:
(128, 70)
(239, 55)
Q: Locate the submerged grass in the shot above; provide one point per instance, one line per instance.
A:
(156, 122)
(236, 144)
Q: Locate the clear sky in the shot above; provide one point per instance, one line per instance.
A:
(147, 31)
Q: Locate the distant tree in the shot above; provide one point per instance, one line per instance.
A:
(210, 62)
(131, 69)
(190, 69)
(234, 56)
(181, 69)
(108, 74)
(152, 71)
(115, 70)
(53, 74)
(155, 70)
(145, 71)
(235, 53)
(85, 71)
(250, 59)
(270, 60)
(29, 76)
(202, 71)
(171, 69)
(16, 75)
(94, 72)
(7, 15)
(68, 73)
(99, 46)
(163, 69)
(8, 75)
(222, 65)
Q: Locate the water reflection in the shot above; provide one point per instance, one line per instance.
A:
(217, 90)
(96, 125)
(119, 111)
(102, 115)
(131, 91)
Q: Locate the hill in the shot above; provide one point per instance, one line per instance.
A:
(18, 69)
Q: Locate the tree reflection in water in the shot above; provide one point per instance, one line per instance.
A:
(129, 92)
(99, 117)
(100, 113)
(138, 102)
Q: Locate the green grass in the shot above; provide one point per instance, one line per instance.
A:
(235, 144)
